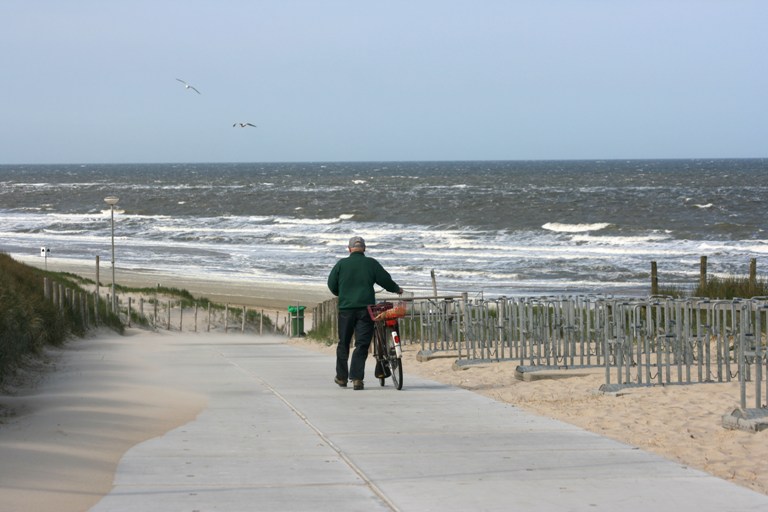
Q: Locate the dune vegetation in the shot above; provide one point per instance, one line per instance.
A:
(30, 321)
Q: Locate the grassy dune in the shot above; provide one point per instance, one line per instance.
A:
(28, 320)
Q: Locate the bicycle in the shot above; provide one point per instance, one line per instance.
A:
(386, 341)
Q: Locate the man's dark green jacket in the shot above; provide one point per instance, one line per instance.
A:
(352, 280)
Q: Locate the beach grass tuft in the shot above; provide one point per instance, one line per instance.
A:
(724, 288)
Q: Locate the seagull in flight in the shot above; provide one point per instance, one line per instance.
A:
(244, 125)
(187, 86)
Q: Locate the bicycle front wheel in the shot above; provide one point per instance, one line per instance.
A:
(396, 367)
(395, 363)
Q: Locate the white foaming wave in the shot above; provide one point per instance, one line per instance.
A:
(547, 252)
(327, 189)
(762, 248)
(248, 219)
(52, 185)
(574, 228)
(467, 274)
(441, 187)
(374, 233)
(620, 240)
(740, 247)
(179, 187)
(187, 229)
(73, 217)
(305, 222)
(703, 206)
(24, 186)
(64, 236)
(714, 247)
(494, 246)
(64, 231)
(119, 214)
(576, 284)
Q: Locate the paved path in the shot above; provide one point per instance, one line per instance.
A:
(278, 435)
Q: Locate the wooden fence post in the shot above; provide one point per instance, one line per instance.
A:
(753, 273)
(654, 279)
(703, 273)
(98, 292)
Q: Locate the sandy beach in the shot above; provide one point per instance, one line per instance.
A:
(277, 296)
(66, 422)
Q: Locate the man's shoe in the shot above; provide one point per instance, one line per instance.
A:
(357, 385)
(341, 382)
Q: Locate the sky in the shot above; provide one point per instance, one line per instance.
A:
(93, 81)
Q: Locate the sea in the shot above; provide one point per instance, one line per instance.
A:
(489, 228)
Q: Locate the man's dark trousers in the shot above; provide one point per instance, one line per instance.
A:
(355, 323)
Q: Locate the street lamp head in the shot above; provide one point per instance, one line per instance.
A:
(111, 200)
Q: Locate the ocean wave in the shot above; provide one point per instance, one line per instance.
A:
(478, 225)
(574, 228)
(620, 240)
(306, 222)
(64, 231)
(205, 231)
(472, 274)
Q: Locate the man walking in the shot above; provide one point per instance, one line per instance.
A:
(352, 280)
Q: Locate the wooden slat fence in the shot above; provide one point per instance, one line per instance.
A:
(638, 341)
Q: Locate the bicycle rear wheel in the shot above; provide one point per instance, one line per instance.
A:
(380, 352)
(385, 368)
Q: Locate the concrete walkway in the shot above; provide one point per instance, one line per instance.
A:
(279, 435)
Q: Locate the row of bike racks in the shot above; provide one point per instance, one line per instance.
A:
(654, 340)
(639, 341)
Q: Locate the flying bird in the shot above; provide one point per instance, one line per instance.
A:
(243, 125)
(187, 86)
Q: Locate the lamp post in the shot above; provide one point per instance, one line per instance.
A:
(112, 201)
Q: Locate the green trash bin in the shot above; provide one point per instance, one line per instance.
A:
(297, 320)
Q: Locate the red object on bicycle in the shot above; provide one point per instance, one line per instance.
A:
(377, 309)
(386, 311)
